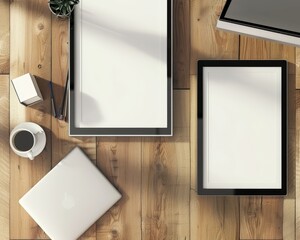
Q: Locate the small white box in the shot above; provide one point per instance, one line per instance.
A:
(27, 90)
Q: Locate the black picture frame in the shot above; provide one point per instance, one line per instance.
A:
(284, 126)
(168, 131)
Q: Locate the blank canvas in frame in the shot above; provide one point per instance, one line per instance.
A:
(121, 66)
(242, 127)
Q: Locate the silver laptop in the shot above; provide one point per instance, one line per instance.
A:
(70, 198)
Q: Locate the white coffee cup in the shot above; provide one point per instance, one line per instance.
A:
(22, 142)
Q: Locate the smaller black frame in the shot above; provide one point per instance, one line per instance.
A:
(254, 25)
(284, 126)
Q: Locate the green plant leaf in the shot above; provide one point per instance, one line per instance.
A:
(62, 7)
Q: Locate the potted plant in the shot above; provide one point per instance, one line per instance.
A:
(62, 8)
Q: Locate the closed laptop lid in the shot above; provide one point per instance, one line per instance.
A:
(70, 198)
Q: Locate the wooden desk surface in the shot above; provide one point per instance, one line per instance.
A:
(157, 176)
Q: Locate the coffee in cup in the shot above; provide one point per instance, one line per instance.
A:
(22, 141)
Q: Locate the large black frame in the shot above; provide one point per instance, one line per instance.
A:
(284, 116)
(168, 131)
(249, 24)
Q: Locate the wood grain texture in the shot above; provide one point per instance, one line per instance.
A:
(206, 41)
(4, 37)
(289, 219)
(292, 101)
(288, 53)
(61, 142)
(208, 214)
(297, 163)
(4, 157)
(253, 48)
(291, 139)
(30, 52)
(261, 217)
(214, 217)
(289, 203)
(257, 212)
(181, 60)
(285, 52)
(193, 132)
(297, 68)
(166, 178)
(120, 161)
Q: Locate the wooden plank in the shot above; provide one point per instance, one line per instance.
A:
(61, 142)
(193, 132)
(291, 145)
(208, 214)
(261, 217)
(258, 225)
(289, 219)
(252, 48)
(166, 178)
(215, 217)
(206, 41)
(292, 101)
(286, 52)
(4, 37)
(298, 68)
(181, 44)
(4, 159)
(297, 163)
(30, 52)
(289, 202)
(120, 160)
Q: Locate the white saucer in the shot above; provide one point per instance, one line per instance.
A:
(40, 137)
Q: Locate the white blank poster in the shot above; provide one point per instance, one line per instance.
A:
(242, 127)
(122, 69)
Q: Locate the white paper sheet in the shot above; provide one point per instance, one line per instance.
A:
(121, 74)
(242, 127)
